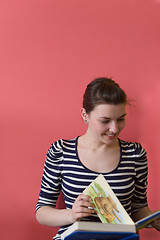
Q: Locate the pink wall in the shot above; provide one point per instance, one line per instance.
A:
(49, 51)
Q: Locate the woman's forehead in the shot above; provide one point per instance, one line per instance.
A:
(109, 110)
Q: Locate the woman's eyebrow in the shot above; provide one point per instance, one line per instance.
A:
(123, 115)
(118, 117)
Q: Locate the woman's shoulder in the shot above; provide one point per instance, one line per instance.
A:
(59, 147)
(132, 146)
(60, 144)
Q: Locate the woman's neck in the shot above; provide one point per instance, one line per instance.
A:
(94, 144)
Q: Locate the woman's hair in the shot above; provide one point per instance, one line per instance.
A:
(101, 91)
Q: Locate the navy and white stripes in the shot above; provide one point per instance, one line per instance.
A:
(64, 171)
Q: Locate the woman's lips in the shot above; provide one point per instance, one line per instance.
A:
(111, 136)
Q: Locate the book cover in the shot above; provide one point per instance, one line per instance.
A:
(101, 236)
(147, 220)
(97, 230)
(108, 207)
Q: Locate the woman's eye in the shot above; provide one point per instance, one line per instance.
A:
(104, 122)
(121, 119)
(108, 121)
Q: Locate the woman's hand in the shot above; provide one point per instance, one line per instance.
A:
(82, 207)
(156, 223)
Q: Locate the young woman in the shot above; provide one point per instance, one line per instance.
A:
(71, 165)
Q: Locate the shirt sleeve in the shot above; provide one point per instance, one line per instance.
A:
(141, 174)
(51, 179)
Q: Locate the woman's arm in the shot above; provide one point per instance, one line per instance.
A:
(53, 217)
(47, 214)
(143, 212)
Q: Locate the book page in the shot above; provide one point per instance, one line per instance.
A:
(108, 207)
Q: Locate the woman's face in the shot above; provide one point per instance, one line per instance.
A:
(106, 122)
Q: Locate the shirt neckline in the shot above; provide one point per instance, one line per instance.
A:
(76, 150)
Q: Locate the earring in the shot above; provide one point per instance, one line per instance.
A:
(85, 120)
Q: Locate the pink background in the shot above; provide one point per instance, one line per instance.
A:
(49, 51)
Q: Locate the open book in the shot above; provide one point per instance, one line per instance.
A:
(108, 207)
(112, 214)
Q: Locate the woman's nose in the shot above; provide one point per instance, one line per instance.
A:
(114, 127)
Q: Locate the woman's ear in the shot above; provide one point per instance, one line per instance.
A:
(84, 115)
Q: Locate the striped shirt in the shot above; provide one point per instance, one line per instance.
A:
(63, 171)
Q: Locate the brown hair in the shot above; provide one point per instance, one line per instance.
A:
(100, 91)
